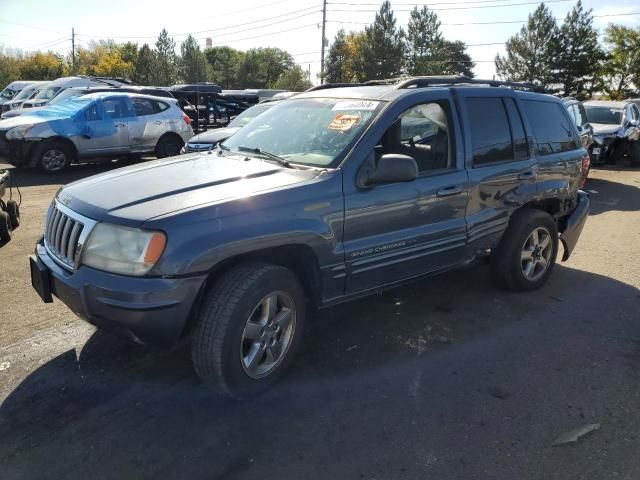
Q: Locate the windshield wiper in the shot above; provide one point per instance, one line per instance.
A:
(270, 156)
(222, 148)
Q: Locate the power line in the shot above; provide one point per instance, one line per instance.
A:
(268, 34)
(30, 26)
(369, 10)
(48, 44)
(309, 11)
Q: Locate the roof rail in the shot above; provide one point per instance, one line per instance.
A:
(441, 80)
(368, 83)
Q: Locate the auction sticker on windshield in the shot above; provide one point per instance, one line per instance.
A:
(344, 122)
(356, 105)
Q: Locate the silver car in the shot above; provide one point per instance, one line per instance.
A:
(99, 125)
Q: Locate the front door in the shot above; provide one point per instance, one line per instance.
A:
(397, 231)
(104, 131)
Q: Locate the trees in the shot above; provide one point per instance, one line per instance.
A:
(194, 67)
(621, 69)
(42, 66)
(143, 72)
(294, 79)
(579, 54)
(224, 62)
(424, 42)
(532, 53)
(261, 67)
(166, 62)
(337, 58)
(383, 48)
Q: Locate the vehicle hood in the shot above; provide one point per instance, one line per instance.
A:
(214, 136)
(24, 119)
(16, 112)
(133, 195)
(605, 129)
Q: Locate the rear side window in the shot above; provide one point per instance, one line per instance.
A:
(144, 106)
(551, 127)
(490, 132)
(581, 114)
(161, 106)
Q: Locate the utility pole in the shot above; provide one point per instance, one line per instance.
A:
(324, 24)
(73, 50)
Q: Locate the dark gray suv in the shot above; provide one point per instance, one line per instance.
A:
(338, 193)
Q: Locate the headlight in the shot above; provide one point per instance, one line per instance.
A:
(18, 133)
(117, 249)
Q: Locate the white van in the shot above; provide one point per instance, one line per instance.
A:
(61, 84)
(12, 90)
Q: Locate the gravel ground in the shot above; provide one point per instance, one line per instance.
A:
(447, 378)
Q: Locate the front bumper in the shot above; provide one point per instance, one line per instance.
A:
(573, 224)
(17, 152)
(151, 311)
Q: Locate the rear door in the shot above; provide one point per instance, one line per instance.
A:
(557, 147)
(396, 231)
(502, 169)
(147, 125)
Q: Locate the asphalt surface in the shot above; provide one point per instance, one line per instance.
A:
(449, 378)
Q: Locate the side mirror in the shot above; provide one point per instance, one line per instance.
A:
(391, 168)
(634, 123)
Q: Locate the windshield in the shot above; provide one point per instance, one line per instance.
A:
(67, 108)
(8, 93)
(65, 94)
(249, 114)
(25, 93)
(310, 131)
(610, 116)
(48, 93)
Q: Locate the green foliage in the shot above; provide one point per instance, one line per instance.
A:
(294, 79)
(532, 53)
(194, 67)
(579, 56)
(621, 69)
(42, 66)
(143, 72)
(165, 70)
(225, 64)
(262, 67)
(336, 60)
(383, 48)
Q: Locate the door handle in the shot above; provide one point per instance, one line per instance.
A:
(120, 125)
(450, 190)
(528, 175)
(158, 122)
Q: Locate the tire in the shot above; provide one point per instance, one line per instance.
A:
(634, 152)
(510, 267)
(5, 227)
(223, 348)
(14, 213)
(53, 156)
(169, 146)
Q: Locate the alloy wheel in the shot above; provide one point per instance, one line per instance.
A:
(536, 254)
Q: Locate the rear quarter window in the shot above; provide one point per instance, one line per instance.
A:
(490, 131)
(551, 126)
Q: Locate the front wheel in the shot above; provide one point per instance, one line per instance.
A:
(527, 252)
(53, 156)
(249, 328)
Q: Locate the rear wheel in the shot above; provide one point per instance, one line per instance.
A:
(527, 252)
(14, 213)
(169, 146)
(5, 227)
(53, 156)
(249, 328)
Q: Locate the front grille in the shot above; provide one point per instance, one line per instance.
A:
(198, 147)
(62, 235)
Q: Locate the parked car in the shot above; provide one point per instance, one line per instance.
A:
(332, 195)
(616, 130)
(60, 84)
(77, 91)
(97, 125)
(25, 94)
(209, 139)
(11, 90)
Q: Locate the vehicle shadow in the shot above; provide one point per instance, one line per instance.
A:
(612, 196)
(119, 409)
(29, 177)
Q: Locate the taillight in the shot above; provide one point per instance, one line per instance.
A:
(584, 169)
(186, 119)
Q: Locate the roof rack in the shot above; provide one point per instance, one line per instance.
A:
(419, 82)
(432, 81)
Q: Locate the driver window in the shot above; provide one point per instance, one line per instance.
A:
(91, 112)
(422, 132)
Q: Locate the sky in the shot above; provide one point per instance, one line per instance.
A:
(294, 26)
